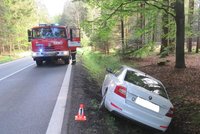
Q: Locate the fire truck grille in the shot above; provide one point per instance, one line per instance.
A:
(47, 48)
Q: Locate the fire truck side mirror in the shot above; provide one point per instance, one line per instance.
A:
(29, 35)
(74, 33)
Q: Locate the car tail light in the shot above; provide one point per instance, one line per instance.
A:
(165, 127)
(170, 113)
(121, 91)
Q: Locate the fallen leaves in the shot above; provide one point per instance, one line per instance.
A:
(183, 87)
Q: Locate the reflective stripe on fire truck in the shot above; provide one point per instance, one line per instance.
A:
(73, 52)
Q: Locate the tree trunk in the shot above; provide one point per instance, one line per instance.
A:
(142, 22)
(172, 39)
(190, 44)
(122, 36)
(3, 48)
(108, 48)
(180, 34)
(154, 34)
(165, 21)
(197, 47)
(198, 38)
(190, 18)
(126, 32)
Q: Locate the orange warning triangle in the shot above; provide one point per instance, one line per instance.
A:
(80, 116)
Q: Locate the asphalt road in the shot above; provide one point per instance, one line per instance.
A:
(28, 95)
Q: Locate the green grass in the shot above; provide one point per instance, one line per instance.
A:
(110, 121)
(15, 55)
(4, 59)
(96, 62)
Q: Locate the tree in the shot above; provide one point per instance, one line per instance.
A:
(198, 27)
(180, 34)
(74, 13)
(190, 19)
(114, 9)
(16, 16)
(164, 38)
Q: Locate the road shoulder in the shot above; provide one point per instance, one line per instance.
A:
(83, 89)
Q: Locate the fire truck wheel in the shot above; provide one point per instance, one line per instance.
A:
(38, 62)
(66, 61)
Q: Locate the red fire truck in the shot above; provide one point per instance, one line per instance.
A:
(51, 42)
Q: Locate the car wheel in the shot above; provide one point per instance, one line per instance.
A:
(66, 61)
(102, 106)
(38, 62)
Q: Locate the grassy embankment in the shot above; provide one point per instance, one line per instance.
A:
(96, 63)
(16, 55)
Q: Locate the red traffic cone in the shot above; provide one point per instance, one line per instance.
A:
(80, 116)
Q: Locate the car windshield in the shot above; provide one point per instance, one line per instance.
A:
(49, 32)
(146, 82)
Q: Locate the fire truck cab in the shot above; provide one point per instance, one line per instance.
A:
(53, 42)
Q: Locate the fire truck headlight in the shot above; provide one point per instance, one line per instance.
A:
(66, 53)
(34, 54)
(40, 50)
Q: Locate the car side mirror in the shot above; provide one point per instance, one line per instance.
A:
(109, 70)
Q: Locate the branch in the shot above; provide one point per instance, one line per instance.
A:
(162, 8)
(120, 6)
(163, 5)
(117, 9)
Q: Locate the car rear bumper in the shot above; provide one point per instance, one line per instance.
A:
(130, 112)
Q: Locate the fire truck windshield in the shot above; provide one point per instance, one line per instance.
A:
(50, 32)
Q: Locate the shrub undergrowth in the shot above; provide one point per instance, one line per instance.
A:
(97, 62)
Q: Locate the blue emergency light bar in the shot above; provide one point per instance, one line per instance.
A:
(43, 25)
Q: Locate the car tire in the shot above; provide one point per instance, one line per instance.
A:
(66, 61)
(102, 105)
(38, 62)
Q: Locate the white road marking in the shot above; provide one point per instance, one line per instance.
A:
(16, 72)
(56, 121)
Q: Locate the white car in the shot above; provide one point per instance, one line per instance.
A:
(137, 96)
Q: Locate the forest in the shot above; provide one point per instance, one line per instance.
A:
(16, 16)
(129, 28)
(135, 28)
